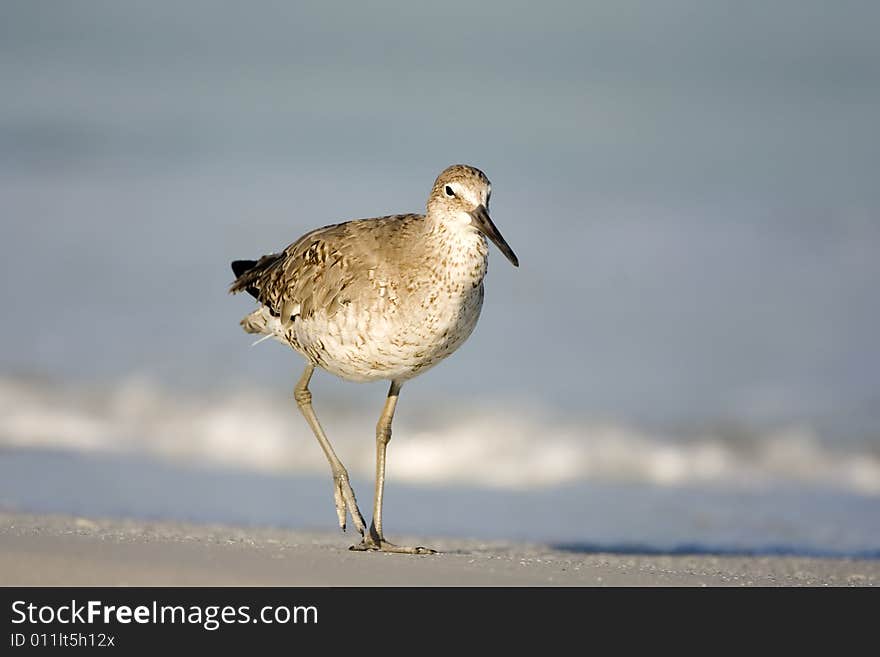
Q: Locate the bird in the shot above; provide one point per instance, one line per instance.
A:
(383, 298)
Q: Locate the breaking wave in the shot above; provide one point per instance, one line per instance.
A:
(495, 447)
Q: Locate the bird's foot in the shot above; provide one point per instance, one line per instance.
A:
(346, 502)
(374, 544)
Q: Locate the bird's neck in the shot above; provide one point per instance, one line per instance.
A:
(460, 249)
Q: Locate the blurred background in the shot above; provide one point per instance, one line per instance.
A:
(686, 359)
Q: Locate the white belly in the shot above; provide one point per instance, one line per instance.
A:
(389, 340)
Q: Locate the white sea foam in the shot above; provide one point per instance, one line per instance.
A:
(496, 447)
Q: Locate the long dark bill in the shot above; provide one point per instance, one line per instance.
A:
(484, 224)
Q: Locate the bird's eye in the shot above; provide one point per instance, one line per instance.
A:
(449, 191)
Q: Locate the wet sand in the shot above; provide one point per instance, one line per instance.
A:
(43, 550)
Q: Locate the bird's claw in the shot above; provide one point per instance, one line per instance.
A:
(344, 498)
(371, 544)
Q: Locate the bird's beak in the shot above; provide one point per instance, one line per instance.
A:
(484, 224)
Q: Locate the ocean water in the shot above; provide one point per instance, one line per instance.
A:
(687, 355)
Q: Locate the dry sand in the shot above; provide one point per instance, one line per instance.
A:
(57, 550)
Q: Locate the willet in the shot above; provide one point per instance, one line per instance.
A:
(384, 298)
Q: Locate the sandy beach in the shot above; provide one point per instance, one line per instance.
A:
(44, 550)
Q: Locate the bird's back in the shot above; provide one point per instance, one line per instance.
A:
(326, 268)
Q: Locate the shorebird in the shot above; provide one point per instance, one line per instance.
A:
(377, 299)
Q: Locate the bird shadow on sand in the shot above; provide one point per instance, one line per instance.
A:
(701, 549)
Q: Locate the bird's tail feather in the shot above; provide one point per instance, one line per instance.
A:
(248, 272)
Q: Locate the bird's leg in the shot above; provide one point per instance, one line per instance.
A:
(342, 491)
(375, 540)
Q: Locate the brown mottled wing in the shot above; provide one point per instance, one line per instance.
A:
(321, 270)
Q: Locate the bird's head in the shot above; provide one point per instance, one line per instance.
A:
(460, 197)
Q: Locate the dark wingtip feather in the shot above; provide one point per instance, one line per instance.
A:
(239, 267)
(249, 272)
